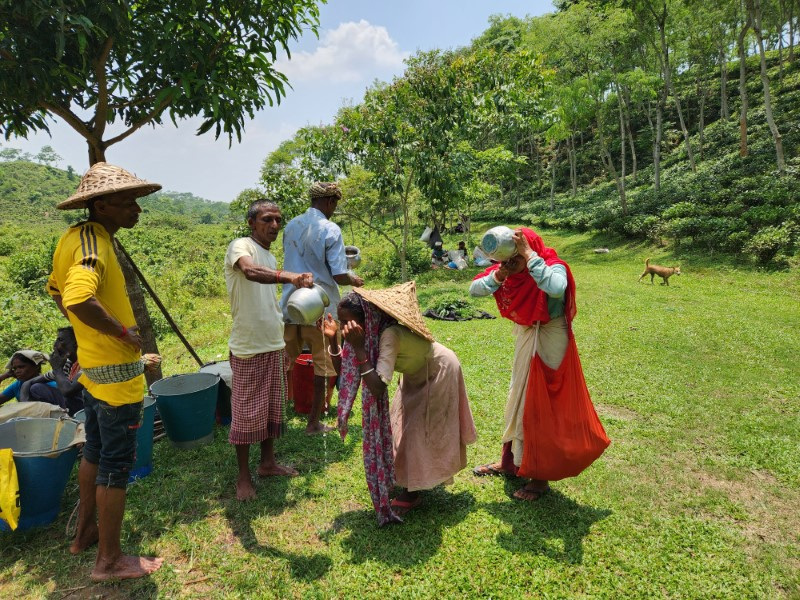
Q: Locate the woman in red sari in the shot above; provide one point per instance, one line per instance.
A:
(551, 428)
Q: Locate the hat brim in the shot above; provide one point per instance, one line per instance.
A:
(400, 303)
(81, 200)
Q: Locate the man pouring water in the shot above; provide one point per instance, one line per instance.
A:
(312, 243)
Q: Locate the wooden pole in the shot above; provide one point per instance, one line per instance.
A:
(160, 305)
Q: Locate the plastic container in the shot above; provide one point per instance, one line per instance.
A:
(187, 404)
(498, 243)
(303, 384)
(44, 461)
(223, 369)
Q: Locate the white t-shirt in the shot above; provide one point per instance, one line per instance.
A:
(257, 319)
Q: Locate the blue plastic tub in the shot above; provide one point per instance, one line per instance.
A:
(187, 404)
(42, 471)
(144, 442)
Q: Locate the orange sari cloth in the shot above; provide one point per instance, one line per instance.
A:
(562, 432)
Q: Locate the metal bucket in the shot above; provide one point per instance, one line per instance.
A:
(43, 458)
(186, 404)
(223, 369)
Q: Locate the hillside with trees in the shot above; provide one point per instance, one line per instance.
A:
(29, 192)
(651, 120)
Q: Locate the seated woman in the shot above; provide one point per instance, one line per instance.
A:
(68, 393)
(439, 255)
(462, 250)
(23, 366)
(431, 422)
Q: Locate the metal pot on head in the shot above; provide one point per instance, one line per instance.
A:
(306, 305)
(498, 243)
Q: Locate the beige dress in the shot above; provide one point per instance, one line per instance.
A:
(430, 415)
(549, 341)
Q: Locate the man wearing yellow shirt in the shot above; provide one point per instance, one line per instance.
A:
(89, 288)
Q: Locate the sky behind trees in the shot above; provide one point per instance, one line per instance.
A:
(359, 42)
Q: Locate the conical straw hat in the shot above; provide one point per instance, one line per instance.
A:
(103, 178)
(400, 302)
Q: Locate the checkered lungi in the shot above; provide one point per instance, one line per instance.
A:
(258, 399)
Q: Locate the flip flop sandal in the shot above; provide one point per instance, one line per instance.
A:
(487, 470)
(404, 506)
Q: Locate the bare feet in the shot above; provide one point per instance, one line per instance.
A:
(315, 428)
(245, 489)
(126, 567)
(276, 470)
(531, 492)
(85, 539)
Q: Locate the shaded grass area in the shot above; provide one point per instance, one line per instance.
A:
(697, 497)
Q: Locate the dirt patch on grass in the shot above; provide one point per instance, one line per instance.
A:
(772, 507)
(619, 413)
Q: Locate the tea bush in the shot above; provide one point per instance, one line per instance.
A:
(30, 269)
(381, 262)
(28, 321)
(772, 242)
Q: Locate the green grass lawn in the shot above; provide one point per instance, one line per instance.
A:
(698, 496)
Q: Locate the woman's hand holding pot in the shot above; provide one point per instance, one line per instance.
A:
(523, 247)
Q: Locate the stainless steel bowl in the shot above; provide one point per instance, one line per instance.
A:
(306, 305)
(498, 243)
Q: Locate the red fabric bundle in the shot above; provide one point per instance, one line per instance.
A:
(563, 434)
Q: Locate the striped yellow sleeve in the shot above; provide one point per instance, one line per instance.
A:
(52, 286)
(87, 266)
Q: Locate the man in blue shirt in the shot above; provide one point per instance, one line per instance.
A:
(312, 243)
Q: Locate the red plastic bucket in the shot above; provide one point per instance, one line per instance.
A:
(302, 384)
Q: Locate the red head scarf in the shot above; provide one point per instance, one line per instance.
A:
(520, 299)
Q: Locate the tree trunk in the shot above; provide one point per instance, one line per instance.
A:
(724, 110)
(743, 151)
(755, 6)
(608, 161)
(535, 148)
(140, 313)
(782, 11)
(404, 245)
(657, 145)
(573, 171)
(553, 179)
(629, 131)
(701, 93)
(670, 90)
(622, 157)
(96, 153)
(790, 57)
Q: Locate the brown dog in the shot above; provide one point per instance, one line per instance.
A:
(664, 272)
